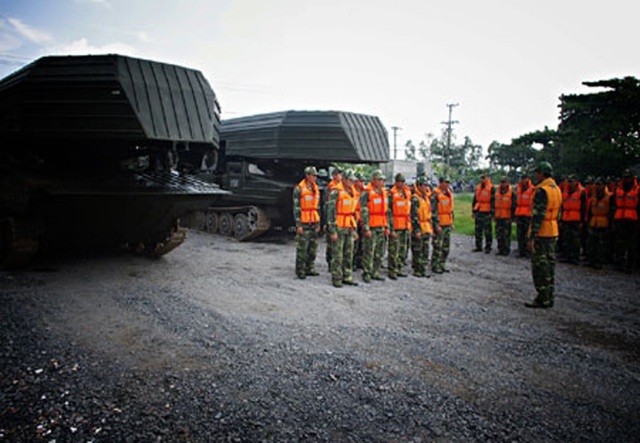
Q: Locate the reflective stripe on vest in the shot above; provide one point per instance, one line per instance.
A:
(424, 214)
(378, 206)
(401, 208)
(483, 197)
(346, 210)
(445, 208)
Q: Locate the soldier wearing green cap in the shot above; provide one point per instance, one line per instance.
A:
(336, 180)
(505, 209)
(524, 202)
(573, 213)
(342, 229)
(443, 203)
(482, 213)
(359, 186)
(422, 215)
(306, 201)
(625, 222)
(375, 226)
(400, 223)
(543, 236)
(600, 214)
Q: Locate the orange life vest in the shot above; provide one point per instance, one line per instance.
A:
(346, 209)
(571, 205)
(503, 203)
(445, 207)
(401, 208)
(424, 213)
(524, 202)
(483, 197)
(626, 204)
(357, 195)
(378, 206)
(599, 209)
(549, 227)
(309, 201)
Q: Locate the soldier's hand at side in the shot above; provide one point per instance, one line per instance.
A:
(318, 228)
(418, 235)
(531, 246)
(299, 230)
(393, 234)
(367, 233)
(334, 237)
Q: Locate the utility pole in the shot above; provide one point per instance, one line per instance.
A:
(449, 131)
(395, 141)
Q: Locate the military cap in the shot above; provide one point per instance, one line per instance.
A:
(504, 178)
(627, 173)
(359, 176)
(323, 173)
(524, 174)
(445, 179)
(310, 170)
(589, 179)
(336, 171)
(377, 174)
(422, 180)
(399, 177)
(349, 174)
(599, 181)
(572, 178)
(544, 167)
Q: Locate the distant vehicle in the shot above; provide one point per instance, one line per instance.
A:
(90, 148)
(262, 158)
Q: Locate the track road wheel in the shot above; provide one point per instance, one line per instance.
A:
(226, 224)
(241, 228)
(212, 222)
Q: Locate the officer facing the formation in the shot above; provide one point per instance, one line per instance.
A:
(483, 207)
(306, 201)
(422, 214)
(375, 226)
(543, 237)
(524, 205)
(341, 227)
(600, 213)
(574, 205)
(442, 201)
(400, 222)
(626, 222)
(505, 208)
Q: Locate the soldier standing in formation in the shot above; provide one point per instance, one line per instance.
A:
(601, 209)
(400, 224)
(483, 207)
(375, 225)
(306, 201)
(574, 204)
(625, 223)
(442, 201)
(523, 213)
(422, 215)
(336, 179)
(543, 237)
(505, 208)
(342, 227)
(357, 255)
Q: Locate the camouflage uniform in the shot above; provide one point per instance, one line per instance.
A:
(399, 242)
(503, 225)
(420, 245)
(307, 241)
(570, 230)
(596, 241)
(522, 228)
(543, 258)
(341, 249)
(483, 221)
(442, 239)
(372, 247)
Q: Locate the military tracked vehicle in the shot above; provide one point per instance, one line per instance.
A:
(95, 151)
(262, 158)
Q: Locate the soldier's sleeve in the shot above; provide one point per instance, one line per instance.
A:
(514, 203)
(435, 221)
(539, 210)
(296, 206)
(583, 205)
(390, 210)
(493, 201)
(364, 205)
(473, 203)
(332, 227)
(415, 221)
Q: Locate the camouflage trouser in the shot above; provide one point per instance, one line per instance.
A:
(625, 252)
(342, 257)
(522, 230)
(543, 268)
(503, 235)
(571, 241)
(484, 226)
(328, 248)
(441, 245)
(398, 251)
(306, 250)
(357, 251)
(373, 252)
(420, 253)
(596, 246)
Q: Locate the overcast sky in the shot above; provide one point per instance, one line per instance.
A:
(504, 62)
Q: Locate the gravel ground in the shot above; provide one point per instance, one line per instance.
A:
(218, 341)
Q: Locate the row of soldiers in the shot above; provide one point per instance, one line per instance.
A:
(599, 219)
(370, 218)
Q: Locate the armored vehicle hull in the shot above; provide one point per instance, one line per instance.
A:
(262, 158)
(95, 152)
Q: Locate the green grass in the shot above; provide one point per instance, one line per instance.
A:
(462, 211)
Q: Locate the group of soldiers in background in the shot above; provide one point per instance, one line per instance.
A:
(363, 221)
(597, 220)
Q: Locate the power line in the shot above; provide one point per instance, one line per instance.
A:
(449, 124)
(395, 144)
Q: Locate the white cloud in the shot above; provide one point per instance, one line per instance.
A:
(83, 47)
(106, 3)
(29, 32)
(144, 37)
